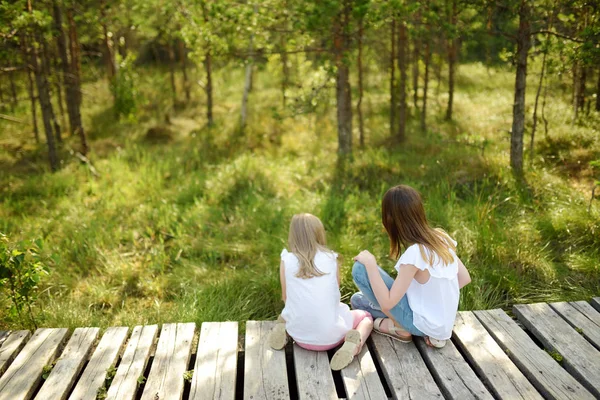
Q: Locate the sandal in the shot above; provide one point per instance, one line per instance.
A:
(344, 356)
(436, 343)
(279, 337)
(395, 332)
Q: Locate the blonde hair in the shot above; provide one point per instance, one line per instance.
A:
(306, 237)
(403, 217)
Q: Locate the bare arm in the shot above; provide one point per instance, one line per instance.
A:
(387, 298)
(463, 275)
(282, 280)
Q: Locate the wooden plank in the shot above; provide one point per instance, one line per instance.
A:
(170, 362)
(105, 357)
(581, 316)
(361, 380)
(12, 343)
(542, 370)
(23, 376)
(216, 362)
(595, 302)
(133, 364)
(3, 336)
(404, 369)
(579, 357)
(69, 365)
(265, 371)
(452, 373)
(494, 367)
(313, 375)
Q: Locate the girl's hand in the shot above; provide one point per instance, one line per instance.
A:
(367, 259)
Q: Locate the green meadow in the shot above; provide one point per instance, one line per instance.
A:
(180, 222)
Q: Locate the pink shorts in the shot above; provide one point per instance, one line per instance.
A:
(357, 315)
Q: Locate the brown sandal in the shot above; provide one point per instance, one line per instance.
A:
(395, 332)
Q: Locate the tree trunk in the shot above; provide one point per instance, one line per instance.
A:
(44, 97)
(61, 43)
(45, 69)
(343, 93)
(30, 88)
(109, 56)
(402, 49)
(59, 84)
(535, 107)
(427, 61)
(581, 90)
(393, 105)
(1, 92)
(172, 71)
(452, 56)
(518, 125)
(415, 73)
(361, 126)
(186, 83)
(598, 92)
(74, 96)
(208, 70)
(247, 83)
(285, 69)
(13, 90)
(575, 91)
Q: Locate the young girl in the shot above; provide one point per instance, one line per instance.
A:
(423, 299)
(313, 315)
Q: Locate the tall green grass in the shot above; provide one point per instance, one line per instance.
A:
(191, 229)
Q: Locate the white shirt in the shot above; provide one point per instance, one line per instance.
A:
(313, 312)
(434, 304)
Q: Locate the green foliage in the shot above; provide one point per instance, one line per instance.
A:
(46, 370)
(556, 355)
(124, 91)
(21, 270)
(188, 375)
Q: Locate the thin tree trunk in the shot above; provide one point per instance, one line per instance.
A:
(575, 91)
(598, 92)
(183, 56)
(581, 89)
(74, 96)
(172, 71)
(44, 97)
(248, 80)
(518, 125)
(402, 66)
(427, 61)
(361, 126)
(393, 105)
(61, 43)
(109, 56)
(59, 84)
(415, 73)
(208, 70)
(452, 56)
(13, 90)
(45, 69)
(343, 93)
(285, 69)
(30, 88)
(544, 107)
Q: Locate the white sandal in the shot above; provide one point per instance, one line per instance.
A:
(437, 343)
(344, 356)
(395, 332)
(279, 337)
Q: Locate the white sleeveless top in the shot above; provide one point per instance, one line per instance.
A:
(434, 304)
(313, 312)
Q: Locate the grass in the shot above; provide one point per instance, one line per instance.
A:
(190, 229)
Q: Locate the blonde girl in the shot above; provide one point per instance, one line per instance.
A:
(313, 315)
(423, 299)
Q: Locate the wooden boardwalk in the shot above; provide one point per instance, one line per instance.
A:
(549, 351)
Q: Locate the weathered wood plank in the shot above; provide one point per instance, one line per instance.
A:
(404, 369)
(3, 336)
(170, 362)
(579, 357)
(12, 343)
(491, 363)
(23, 376)
(452, 373)
(265, 371)
(361, 380)
(105, 356)
(216, 361)
(546, 374)
(69, 365)
(595, 302)
(313, 375)
(133, 364)
(581, 316)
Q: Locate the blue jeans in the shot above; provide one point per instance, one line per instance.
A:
(365, 300)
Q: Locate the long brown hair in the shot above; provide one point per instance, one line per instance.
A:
(403, 217)
(306, 237)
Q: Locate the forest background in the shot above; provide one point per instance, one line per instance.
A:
(153, 152)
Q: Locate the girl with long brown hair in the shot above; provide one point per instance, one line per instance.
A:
(423, 299)
(313, 314)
